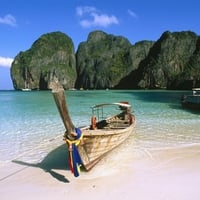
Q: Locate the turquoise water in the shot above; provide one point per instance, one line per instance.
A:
(30, 125)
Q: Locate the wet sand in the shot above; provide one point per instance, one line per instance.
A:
(158, 174)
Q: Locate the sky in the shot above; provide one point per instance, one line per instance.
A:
(23, 22)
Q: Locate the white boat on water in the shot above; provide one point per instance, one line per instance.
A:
(26, 82)
(26, 89)
(193, 100)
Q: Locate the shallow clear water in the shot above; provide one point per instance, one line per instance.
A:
(30, 125)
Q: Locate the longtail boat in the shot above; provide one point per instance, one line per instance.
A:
(89, 144)
(192, 101)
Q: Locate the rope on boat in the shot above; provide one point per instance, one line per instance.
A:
(75, 161)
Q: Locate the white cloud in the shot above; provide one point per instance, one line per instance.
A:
(5, 61)
(132, 14)
(8, 19)
(99, 20)
(80, 11)
(90, 16)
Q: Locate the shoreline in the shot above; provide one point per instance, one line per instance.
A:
(157, 174)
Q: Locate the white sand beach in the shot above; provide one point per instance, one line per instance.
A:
(158, 174)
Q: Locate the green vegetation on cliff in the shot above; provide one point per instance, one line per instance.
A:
(108, 61)
(51, 56)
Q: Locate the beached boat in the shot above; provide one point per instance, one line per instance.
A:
(193, 100)
(88, 145)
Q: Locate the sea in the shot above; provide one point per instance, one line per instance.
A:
(31, 127)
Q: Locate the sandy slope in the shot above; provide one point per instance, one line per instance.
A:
(157, 174)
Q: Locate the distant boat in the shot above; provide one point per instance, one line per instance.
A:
(72, 89)
(192, 101)
(26, 82)
(26, 89)
(89, 144)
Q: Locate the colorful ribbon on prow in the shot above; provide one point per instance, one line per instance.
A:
(75, 161)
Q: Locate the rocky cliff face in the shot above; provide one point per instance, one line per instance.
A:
(167, 59)
(51, 56)
(172, 62)
(102, 61)
(108, 61)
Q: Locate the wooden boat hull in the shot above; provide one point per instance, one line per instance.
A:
(96, 143)
(89, 145)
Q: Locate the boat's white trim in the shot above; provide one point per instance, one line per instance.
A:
(107, 104)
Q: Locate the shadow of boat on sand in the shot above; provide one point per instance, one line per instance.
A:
(55, 160)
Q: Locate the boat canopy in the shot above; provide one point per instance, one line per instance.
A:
(196, 89)
(122, 104)
(101, 113)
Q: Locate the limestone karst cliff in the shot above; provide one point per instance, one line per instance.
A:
(51, 56)
(109, 61)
